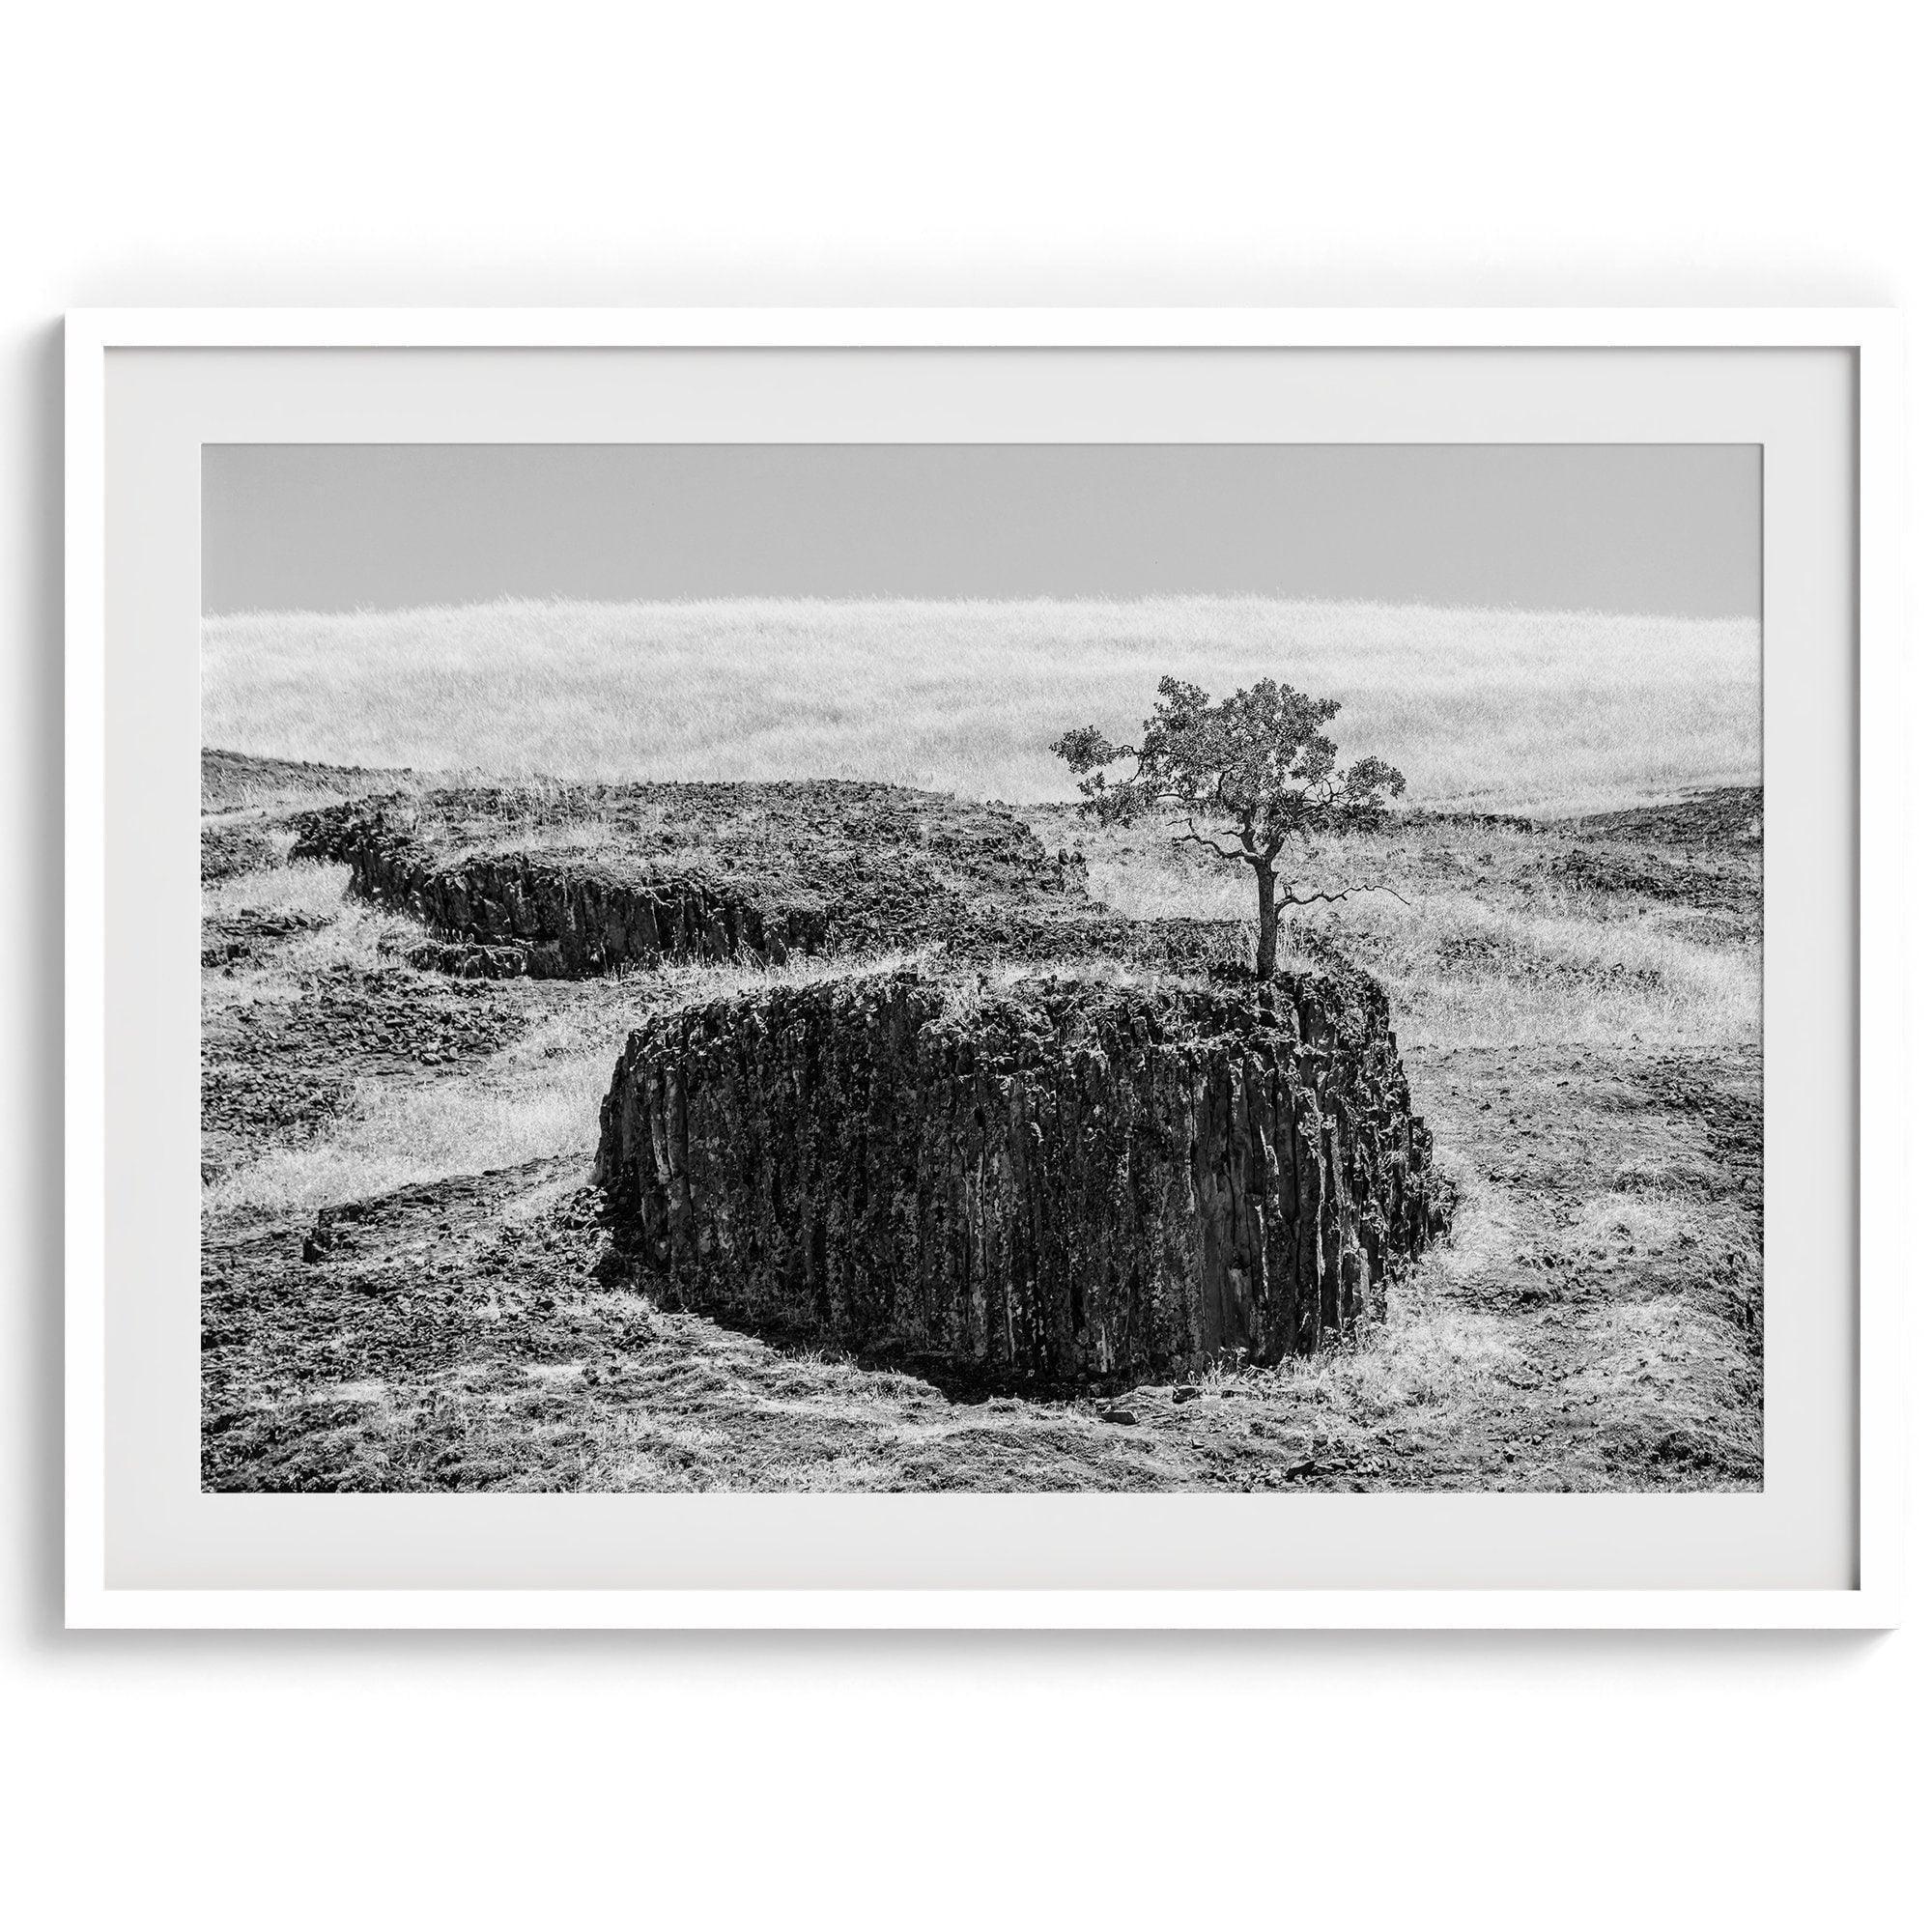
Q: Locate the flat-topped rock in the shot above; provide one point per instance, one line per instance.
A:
(560, 881)
(1040, 1183)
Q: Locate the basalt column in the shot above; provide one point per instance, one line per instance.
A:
(1055, 1184)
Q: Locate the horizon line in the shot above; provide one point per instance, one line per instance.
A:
(564, 600)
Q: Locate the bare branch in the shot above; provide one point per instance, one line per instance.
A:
(1348, 891)
(1192, 836)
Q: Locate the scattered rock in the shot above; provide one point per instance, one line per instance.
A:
(229, 849)
(273, 1072)
(238, 936)
(1704, 887)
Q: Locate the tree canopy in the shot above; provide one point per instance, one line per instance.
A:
(1257, 770)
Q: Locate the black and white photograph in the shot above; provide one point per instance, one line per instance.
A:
(834, 968)
(920, 912)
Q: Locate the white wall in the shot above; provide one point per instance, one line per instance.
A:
(206, 153)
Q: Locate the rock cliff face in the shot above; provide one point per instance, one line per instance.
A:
(1052, 1184)
(782, 869)
(551, 916)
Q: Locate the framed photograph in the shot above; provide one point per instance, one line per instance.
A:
(983, 968)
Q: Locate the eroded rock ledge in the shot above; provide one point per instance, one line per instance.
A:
(563, 881)
(1052, 1183)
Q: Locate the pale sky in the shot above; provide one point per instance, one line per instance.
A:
(1671, 529)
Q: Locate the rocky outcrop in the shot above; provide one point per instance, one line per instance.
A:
(1723, 815)
(1053, 1183)
(273, 1069)
(550, 916)
(783, 870)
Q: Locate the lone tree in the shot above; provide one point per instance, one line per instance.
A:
(1256, 768)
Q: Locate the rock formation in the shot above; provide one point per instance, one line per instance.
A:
(696, 872)
(1040, 1185)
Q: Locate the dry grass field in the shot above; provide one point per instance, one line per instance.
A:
(405, 1286)
(1510, 710)
(408, 1285)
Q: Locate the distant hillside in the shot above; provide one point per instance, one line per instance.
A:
(1538, 711)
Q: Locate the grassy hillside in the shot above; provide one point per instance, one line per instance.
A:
(1536, 711)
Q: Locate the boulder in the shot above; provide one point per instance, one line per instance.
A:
(1038, 1182)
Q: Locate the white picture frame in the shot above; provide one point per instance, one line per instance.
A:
(1871, 1597)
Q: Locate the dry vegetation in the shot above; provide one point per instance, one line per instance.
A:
(1483, 939)
(1517, 710)
(1579, 1019)
(1578, 1011)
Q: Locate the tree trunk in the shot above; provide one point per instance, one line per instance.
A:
(1268, 930)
